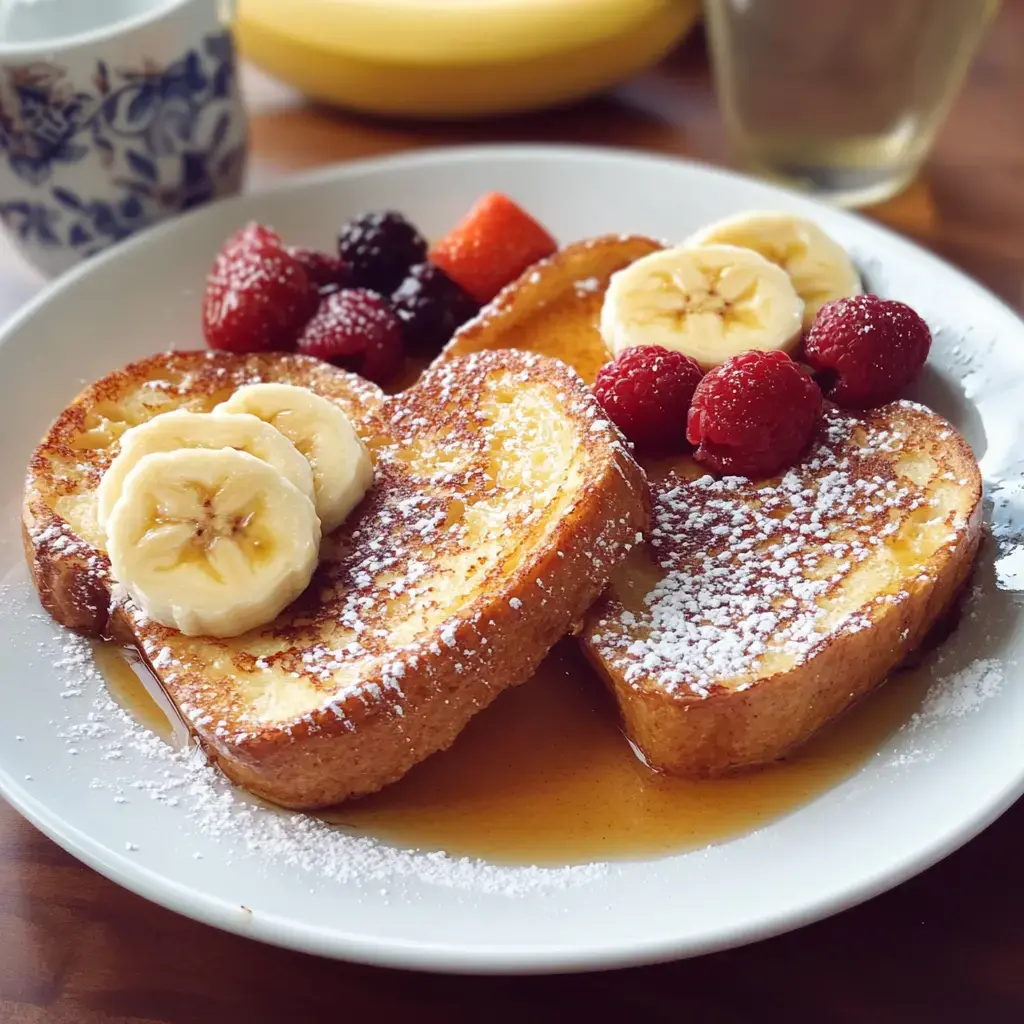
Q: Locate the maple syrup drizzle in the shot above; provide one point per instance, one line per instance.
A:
(136, 689)
(544, 776)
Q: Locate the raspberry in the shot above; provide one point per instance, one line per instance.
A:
(258, 297)
(753, 415)
(354, 328)
(491, 246)
(324, 271)
(431, 306)
(865, 350)
(646, 393)
(380, 248)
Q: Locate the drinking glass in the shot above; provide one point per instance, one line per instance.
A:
(840, 97)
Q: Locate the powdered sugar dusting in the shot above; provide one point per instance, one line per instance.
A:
(962, 692)
(183, 782)
(251, 270)
(746, 568)
(952, 697)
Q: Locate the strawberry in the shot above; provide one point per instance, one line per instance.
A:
(491, 246)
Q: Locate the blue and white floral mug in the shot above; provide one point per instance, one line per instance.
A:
(134, 118)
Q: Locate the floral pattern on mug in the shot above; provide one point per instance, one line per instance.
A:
(171, 135)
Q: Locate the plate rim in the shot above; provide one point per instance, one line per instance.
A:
(447, 958)
(479, 959)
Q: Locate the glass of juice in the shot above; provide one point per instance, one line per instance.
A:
(840, 97)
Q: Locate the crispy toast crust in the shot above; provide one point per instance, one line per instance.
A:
(501, 504)
(70, 570)
(554, 306)
(719, 718)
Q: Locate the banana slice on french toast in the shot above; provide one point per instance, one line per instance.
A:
(757, 611)
(64, 541)
(502, 502)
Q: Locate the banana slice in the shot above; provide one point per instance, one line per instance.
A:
(182, 429)
(817, 265)
(709, 302)
(342, 470)
(212, 542)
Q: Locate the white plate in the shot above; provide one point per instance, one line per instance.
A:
(181, 842)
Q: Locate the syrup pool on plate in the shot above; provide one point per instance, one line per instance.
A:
(544, 776)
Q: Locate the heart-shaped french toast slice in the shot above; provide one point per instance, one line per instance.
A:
(501, 503)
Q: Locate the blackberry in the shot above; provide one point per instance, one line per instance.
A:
(431, 306)
(379, 248)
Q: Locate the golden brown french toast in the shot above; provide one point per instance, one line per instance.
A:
(63, 540)
(502, 501)
(762, 609)
(758, 610)
(553, 308)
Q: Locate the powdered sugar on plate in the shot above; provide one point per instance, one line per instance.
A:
(1006, 517)
(960, 693)
(144, 767)
(954, 696)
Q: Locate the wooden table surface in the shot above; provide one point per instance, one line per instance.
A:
(946, 946)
